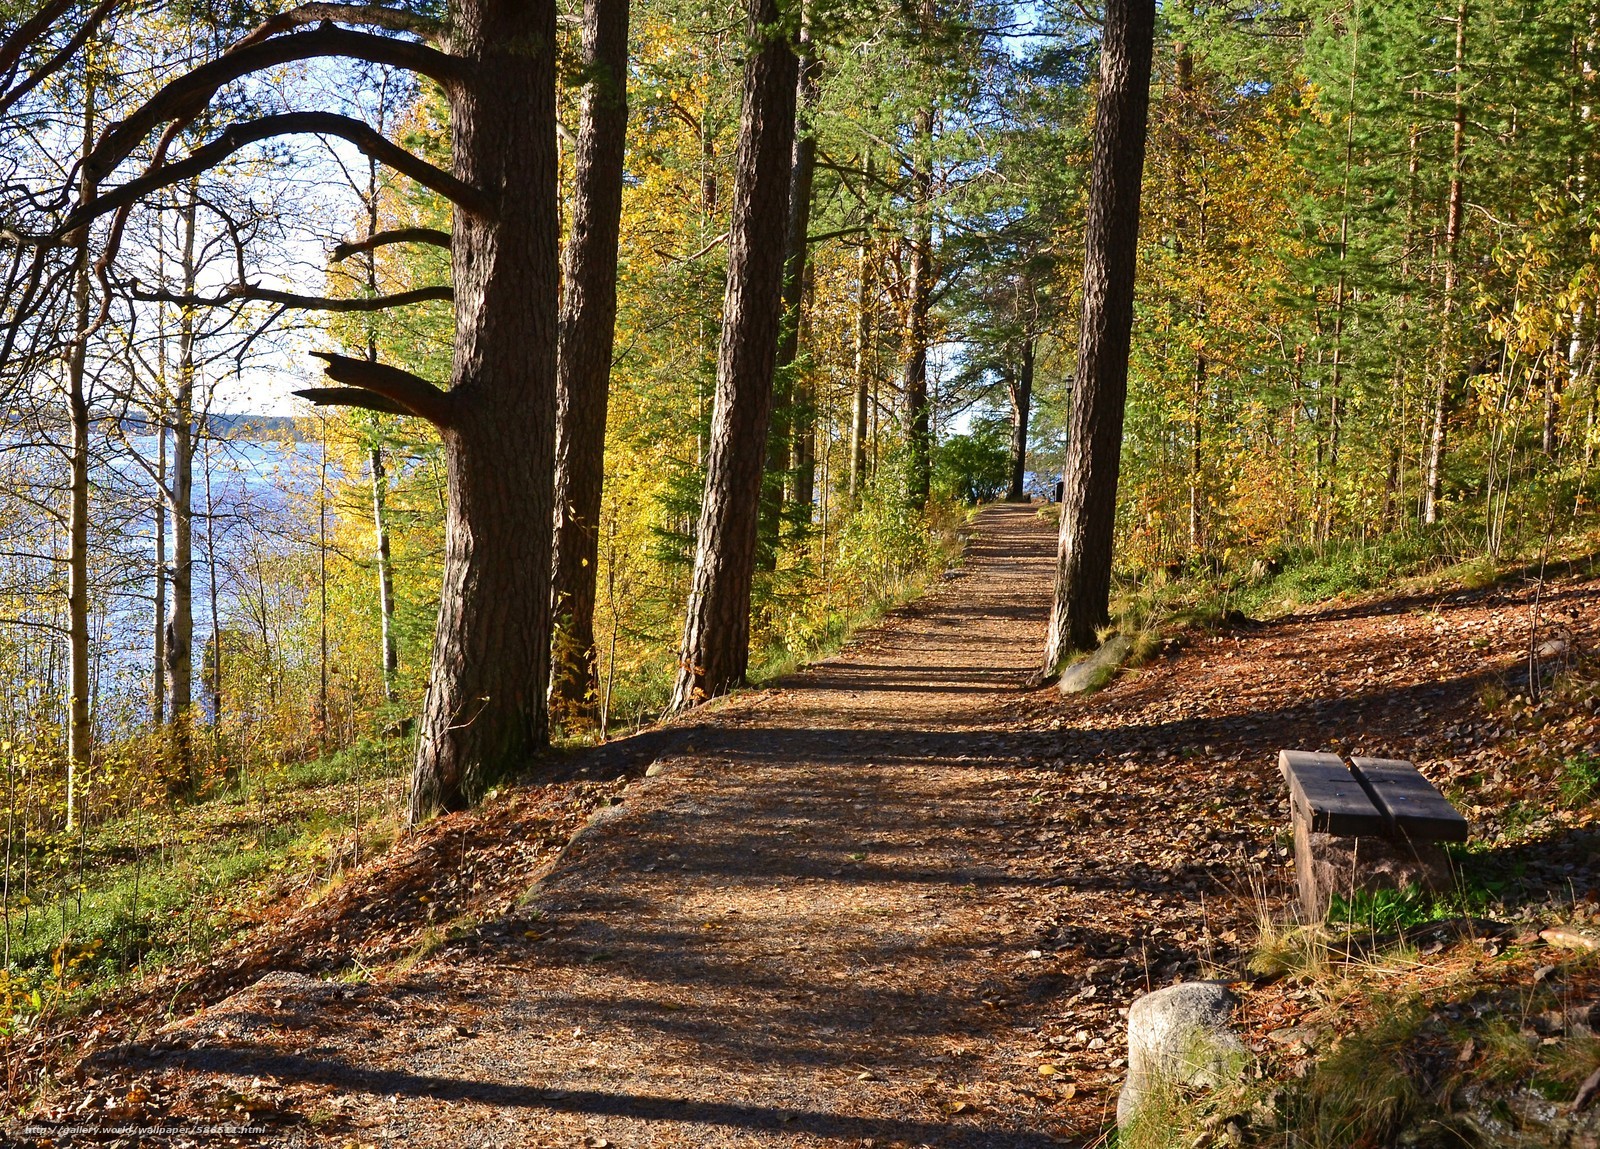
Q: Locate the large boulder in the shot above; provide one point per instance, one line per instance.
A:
(1179, 1036)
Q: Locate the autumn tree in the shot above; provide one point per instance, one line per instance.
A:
(495, 62)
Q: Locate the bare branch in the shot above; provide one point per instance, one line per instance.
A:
(411, 392)
(352, 397)
(235, 292)
(268, 127)
(186, 96)
(19, 40)
(366, 15)
(432, 235)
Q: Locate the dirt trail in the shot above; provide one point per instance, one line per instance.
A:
(785, 937)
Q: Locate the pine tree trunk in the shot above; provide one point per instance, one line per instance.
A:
(485, 714)
(583, 380)
(1021, 390)
(914, 381)
(796, 287)
(866, 302)
(1089, 500)
(1434, 481)
(716, 641)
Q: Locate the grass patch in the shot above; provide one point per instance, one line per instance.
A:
(166, 882)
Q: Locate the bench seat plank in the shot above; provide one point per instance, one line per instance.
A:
(1328, 796)
(1410, 802)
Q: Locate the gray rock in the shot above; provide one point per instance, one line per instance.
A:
(1179, 1036)
(1090, 674)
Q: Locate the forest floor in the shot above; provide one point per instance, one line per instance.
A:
(902, 899)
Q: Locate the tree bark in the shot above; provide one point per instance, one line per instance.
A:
(716, 642)
(1021, 390)
(588, 323)
(914, 381)
(180, 503)
(1089, 500)
(158, 685)
(485, 713)
(796, 279)
(1433, 482)
(80, 735)
(866, 302)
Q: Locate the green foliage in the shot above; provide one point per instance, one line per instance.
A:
(1580, 779)
(975, 467)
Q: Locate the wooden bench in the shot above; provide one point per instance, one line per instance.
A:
(1373, 824)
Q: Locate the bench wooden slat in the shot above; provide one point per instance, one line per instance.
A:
(1328, 796)
(1415, 809)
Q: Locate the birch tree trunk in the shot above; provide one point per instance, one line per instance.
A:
(1094, 448)
(1434, 480)
(80, 736)
(716, 642)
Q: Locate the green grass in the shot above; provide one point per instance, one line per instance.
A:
(171, 882)
(1580, 779)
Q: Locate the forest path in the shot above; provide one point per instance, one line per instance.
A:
(777, 940)
(785, 938)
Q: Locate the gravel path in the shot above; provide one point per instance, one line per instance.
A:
(786, 937)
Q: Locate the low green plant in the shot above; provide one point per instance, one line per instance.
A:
(1580, 779)
(1384, 911)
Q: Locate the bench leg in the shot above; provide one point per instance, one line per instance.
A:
(1326, 865)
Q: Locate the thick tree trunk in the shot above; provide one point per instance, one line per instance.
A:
(1094, 448)
(866, 306)
(1021, 390)
(485, 713)
(588, 323)
(1433, 481)
(716, 641)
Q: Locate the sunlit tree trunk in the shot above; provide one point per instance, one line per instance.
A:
(158, 687)
(1081, 602)
(588, 322)
(797, 279)
(716, 643)
(180, 492)
(914, 380)
(866, 306)
(80, 736)
(485, 713)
